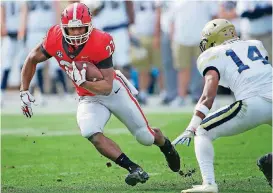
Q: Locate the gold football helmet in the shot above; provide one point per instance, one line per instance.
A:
(216, 32)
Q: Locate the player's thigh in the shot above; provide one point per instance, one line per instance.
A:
(126, 108)
(8, 52)
(121, 55)
(182, 56)
(236, 118)
(91, 116)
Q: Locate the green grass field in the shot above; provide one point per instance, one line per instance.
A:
(46, 154)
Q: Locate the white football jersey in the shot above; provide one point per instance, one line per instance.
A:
(113, 13)
(12, 15)
(41, 15)
(242, 67)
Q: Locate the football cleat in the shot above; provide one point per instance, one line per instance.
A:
(207, 188)
(136, 176)
(265, 165)
(172, 157)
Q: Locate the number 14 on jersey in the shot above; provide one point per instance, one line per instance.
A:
(252, 50)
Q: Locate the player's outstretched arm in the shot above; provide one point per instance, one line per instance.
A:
(101, 87)
(34, 57)
(202, 108)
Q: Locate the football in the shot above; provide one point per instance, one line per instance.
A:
(92, 72)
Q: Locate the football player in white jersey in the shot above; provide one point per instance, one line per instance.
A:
(243, 67)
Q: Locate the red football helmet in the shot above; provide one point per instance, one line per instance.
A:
(76, 15)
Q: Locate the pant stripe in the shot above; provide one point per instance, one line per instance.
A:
(222, 116)
(136, 103)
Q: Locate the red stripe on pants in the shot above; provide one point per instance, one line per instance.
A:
(136, 103)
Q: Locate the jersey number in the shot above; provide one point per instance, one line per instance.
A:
(252, 50)
(110, 48)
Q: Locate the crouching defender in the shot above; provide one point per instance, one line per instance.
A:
(243, 67)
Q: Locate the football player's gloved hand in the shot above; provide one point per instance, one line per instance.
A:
(26, 100)
(185, 137)
(78, 76)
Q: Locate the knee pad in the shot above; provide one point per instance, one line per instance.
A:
(144, 136)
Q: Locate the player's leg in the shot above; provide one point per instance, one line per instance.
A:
(265, 165)
(126, 108)
(230, 120)
(92, 117)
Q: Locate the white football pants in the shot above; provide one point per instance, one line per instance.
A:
(95, 111)
(237, 118)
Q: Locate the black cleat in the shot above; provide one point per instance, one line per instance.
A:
(136, 176)
(171, 155)
(265, 165)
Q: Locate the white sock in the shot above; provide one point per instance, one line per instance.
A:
(205, 154)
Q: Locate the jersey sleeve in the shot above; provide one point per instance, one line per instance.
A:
(210, 61)
(107, 47)
(49, 43)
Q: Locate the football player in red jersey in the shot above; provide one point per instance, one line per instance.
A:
(75, 39)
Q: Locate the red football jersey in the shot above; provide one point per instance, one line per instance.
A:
(99, 46)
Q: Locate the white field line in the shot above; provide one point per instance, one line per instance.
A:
(45, 132)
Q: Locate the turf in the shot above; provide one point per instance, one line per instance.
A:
(47, 154)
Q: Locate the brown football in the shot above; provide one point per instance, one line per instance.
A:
(92, 72)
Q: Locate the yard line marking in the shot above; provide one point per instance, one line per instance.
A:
(39, 132)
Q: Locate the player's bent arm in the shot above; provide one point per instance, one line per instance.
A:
(206, 100)
(34, 57)
(202, 108)
(101, 87)
(209, 93)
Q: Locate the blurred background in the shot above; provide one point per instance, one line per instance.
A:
(158, 41)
